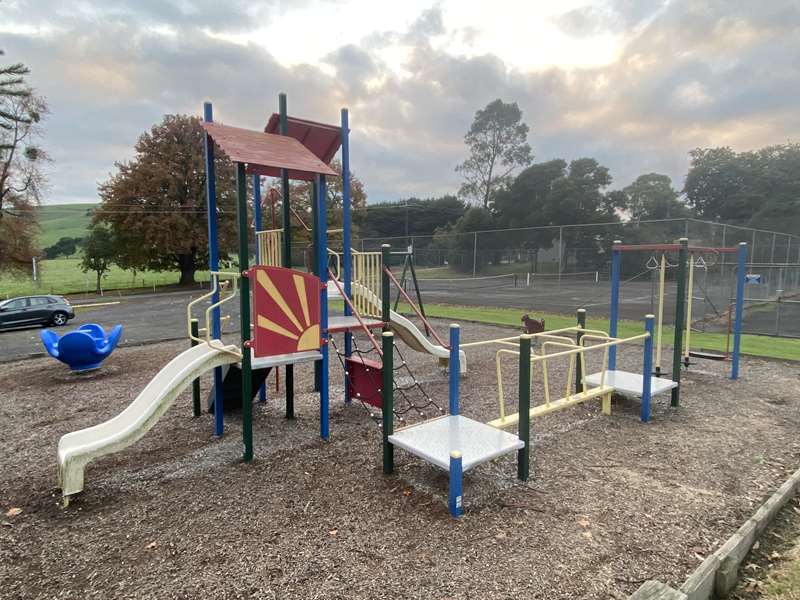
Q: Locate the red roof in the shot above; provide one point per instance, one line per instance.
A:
(323, 140)
(266, 153)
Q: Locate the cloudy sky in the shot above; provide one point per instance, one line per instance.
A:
(633, 83)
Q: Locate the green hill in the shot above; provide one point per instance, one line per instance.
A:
(62, 220)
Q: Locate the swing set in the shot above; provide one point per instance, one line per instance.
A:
(689, 258)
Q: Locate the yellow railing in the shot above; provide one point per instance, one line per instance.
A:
(269, 247)
(573, 350)
(367, 272)
(216, 286)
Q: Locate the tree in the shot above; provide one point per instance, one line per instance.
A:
(21, 179)
(459, 240)
(760, 188)
(99, 252)
(155, 204)
(413, 217)
(300, 195)
(497, 142)
(65, 246)
(651, 197)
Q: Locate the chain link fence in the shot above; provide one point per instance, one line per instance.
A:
(559, 268)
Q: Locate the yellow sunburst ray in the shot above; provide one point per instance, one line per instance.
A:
(269, 286)
(300, 286)
(265, 323)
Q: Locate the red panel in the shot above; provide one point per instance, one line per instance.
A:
(323, 140)
(365, 380)
(266, 151)
(286, 311)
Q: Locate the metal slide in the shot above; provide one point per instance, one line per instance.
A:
(77, 449)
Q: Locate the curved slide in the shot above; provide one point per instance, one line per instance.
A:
(77, 449)
(416, 340)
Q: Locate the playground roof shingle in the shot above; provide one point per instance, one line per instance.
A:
(267, 153)
(323, 140)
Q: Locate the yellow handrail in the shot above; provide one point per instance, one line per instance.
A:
(216, 287)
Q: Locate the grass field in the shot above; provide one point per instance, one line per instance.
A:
(62, 220)
(754, 345)
(64, 276)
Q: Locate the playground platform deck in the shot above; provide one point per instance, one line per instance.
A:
(435, 439)
(625, 382)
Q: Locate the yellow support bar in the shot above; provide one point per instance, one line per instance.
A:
(556, 405)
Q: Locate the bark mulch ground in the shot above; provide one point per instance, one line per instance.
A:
(611, 501)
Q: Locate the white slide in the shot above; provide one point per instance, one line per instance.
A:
(77, 449)
(416, 340)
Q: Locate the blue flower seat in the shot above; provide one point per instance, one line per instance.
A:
(83, 349)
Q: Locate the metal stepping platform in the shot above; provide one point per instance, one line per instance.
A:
(278, 360)
(434, 440)
(339, 323)
(629, 383)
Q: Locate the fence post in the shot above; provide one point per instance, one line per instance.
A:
(474, 254)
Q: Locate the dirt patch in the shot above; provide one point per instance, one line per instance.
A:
(611, 502)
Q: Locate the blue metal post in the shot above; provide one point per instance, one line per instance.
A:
(213, 261)
(347, 259)
(262, 393)
(647, 368)
(616, 257)
(454, 501)
(739, 310)
(455, 367)
(322, 245)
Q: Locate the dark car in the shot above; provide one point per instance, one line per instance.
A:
(35, 310)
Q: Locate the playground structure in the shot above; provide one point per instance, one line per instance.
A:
(291, 324)
(83, 349)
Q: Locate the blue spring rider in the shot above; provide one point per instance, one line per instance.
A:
(83, 349)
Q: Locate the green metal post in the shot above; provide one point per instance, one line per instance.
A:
(244, 311)
(195, 329)
(387, 395)
(315, 264)
(286, 217)
(680, 318)
(578, 358)
(524, 432)
(386, 301)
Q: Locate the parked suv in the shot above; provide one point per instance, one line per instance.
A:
(35, 310)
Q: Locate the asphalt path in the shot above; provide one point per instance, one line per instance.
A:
(145, 318)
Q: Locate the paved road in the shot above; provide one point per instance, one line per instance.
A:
(145, 318)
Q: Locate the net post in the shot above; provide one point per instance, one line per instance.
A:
(195, 330)
(387, 400)
(647, 368)
(244, 312)
(524, 426)
(454, 500)
(287, 242)
(680, 316)
(581, 320)
(616, 259)
(739, 310)
(455, 367)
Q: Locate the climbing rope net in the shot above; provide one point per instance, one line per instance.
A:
(410, 398)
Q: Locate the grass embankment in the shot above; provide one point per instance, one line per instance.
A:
(753, 345)
(64, 276)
